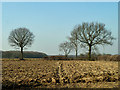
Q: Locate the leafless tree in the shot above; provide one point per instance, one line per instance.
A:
(66, 47)
(21, 37)
(74, 40)
(93, 34)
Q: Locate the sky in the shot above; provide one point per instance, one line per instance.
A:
(118, 28)
(52, 22)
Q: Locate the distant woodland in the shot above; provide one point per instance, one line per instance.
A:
(27, 54)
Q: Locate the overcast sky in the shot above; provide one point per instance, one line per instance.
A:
(52, 22)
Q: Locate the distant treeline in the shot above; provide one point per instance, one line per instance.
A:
(106, 57)
(69, 57)
(27, 54)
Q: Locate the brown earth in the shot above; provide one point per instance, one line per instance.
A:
(39, 73)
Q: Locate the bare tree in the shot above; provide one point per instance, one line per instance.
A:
(66, 47)
(21, 37)
(92, 34)
(74, 40)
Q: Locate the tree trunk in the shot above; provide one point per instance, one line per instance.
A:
(89, 54)
(76, 52)
(66, 55)
(21, 58)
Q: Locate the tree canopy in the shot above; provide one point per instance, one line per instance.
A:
(21, 37)
(92, 34)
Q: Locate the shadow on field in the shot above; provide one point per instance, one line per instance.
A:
(8, 85)
(14, 86)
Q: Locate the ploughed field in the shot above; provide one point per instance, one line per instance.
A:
(39, 73)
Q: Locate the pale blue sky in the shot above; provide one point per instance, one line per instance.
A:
(52, 22)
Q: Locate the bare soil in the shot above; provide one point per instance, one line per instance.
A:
(40, 73)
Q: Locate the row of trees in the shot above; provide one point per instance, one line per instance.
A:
(87, 35)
